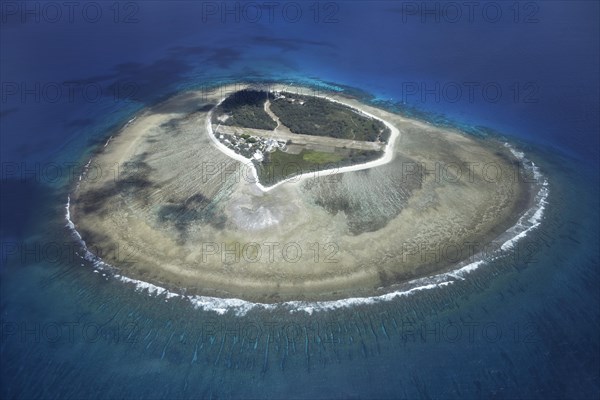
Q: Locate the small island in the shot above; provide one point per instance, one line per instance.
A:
(196, 195)
(286, 135)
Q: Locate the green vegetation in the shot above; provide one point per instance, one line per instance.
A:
(245, 109)
(320, 117)
(248, 138)
(320, 157)
(304, 115)
(278, 165)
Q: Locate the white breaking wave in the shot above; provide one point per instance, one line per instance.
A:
(529, 221)
(532, 218)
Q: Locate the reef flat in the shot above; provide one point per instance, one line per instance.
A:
(164, 202)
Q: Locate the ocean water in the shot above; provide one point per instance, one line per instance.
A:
(524, 325)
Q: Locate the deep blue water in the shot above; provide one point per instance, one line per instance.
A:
(522, 327)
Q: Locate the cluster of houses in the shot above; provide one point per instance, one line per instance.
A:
(250, 146)
(278, 95)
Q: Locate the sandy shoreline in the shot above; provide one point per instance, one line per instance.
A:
(169, 251)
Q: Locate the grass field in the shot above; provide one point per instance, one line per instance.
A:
(320, 157)
(280, 165)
